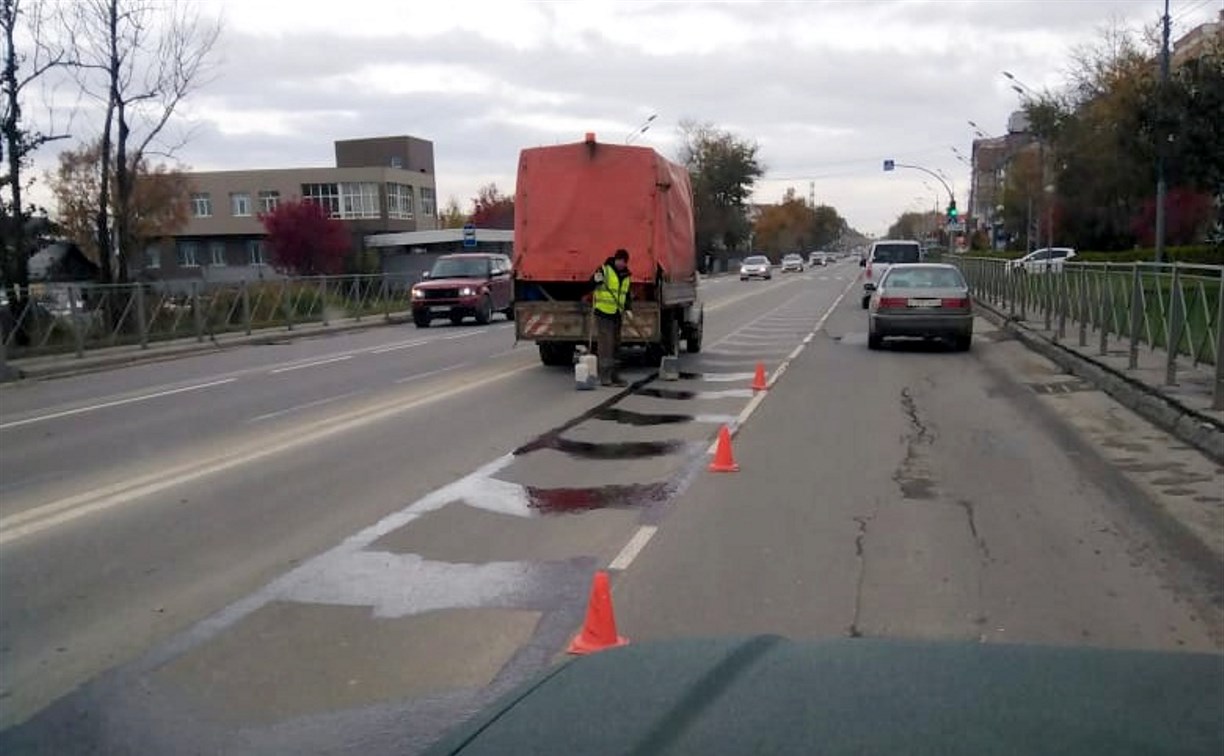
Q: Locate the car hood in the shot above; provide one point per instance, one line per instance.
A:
(770, 695)
(450, 283)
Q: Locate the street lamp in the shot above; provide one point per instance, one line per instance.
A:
(642, 129)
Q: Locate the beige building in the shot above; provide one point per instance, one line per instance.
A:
(379, 185)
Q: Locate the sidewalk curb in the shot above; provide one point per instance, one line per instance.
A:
(1201, 431)
(71, 365)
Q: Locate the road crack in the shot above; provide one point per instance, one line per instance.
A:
(912, 475)
(861, 554)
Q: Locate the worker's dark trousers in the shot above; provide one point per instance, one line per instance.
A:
(608, 338)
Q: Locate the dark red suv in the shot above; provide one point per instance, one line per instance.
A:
(459, 286)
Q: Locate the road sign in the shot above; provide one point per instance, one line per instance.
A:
(469, 236)
(890, 165)
(956, 227)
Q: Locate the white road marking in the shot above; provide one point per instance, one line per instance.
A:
(37, 519)
(316, 363)
(633, 547)
(115, 403)
(396, 347)
(431, 373)
(307, 405)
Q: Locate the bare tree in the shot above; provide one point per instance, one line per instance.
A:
(21, 23)
(142, 58)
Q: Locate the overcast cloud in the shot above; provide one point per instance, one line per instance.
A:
(828, 88)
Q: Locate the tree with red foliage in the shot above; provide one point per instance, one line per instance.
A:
(492, 209)
(304, 240)
(1189, 215)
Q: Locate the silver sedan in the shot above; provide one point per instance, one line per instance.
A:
(921, 300)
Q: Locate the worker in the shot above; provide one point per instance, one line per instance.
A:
(611, 302)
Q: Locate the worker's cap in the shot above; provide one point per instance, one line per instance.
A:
(621, 254)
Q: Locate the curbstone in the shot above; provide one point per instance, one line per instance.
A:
(1190, 426)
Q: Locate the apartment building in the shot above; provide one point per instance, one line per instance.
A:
(378, 185)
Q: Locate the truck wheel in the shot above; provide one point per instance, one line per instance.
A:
(485, 312)
(556, 355)
(421, 320)
(692, 342)
(509, 312)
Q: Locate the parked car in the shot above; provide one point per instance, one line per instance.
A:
(925, 300)
(1044, 260)
(881, 256)
(756, 266)
(463, 285)
(792, 264)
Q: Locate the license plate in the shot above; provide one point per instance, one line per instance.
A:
(925, 303)
(445, 308)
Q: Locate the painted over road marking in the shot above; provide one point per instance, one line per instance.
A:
(115, 403)
(32, 521)
(316, 363)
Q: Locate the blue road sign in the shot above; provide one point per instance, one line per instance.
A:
(889, 165)
(469, 236)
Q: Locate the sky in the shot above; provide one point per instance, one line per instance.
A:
(827, 88)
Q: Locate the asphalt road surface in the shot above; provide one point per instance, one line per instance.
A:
(347, 544)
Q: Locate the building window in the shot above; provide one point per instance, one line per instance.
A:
(399, 201)
(349, 200)
(152, 258)
(216, 252)
(359, 200)
(189, 255)
(240, 204)
(255, 252)
(428, 206)
(327, 195)
(268, 201)
(201, 205)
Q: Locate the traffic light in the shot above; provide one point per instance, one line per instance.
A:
(952, 212)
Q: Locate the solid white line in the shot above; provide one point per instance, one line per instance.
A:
(307, 405)
(310, 364)
(116, 403)
(431, 373)
(40, 518)
(395, 347)
(794, 353)
(633, 547)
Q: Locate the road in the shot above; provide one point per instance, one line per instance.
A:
(346, 544)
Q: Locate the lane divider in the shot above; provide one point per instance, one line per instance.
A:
(115, 403)
(316, 363)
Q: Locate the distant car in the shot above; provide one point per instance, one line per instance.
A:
(792, 264)
(924, 300)
(464, 285)
(818, 258)
(1045, 260)
(883, 254)
(756, 266)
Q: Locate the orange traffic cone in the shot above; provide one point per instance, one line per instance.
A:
(599, 629)
(723, 459)
(758, 381)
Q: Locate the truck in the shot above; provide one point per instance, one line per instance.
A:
(574, 206)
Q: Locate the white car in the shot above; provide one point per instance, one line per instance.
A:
(885, 253)
(1044, 260)
(792, 263)
(756, 266)
(818, 258)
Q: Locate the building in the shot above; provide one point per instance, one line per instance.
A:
(378, 185)
(991, 158)
(1196, 42)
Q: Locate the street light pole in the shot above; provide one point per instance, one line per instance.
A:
(1161, 140)
(642, 129)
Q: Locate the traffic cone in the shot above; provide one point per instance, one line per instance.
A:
(599, 628)
(723, 459)
(758, 381)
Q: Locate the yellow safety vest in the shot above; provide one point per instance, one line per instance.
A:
(610, 295)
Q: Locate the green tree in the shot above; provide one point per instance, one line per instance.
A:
(911, 225)
(723, 169)
(452, 216)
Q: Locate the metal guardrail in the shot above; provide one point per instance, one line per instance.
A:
(77, 318)
(1176, 308)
